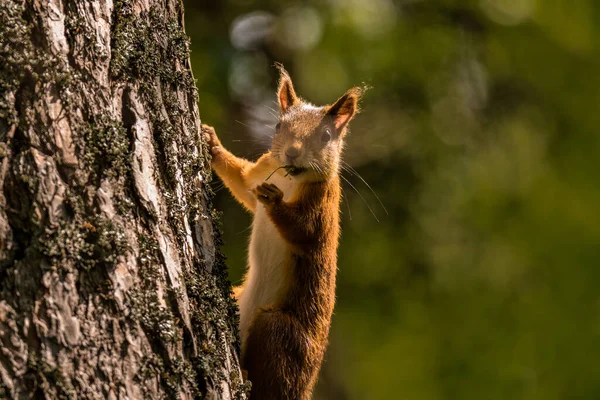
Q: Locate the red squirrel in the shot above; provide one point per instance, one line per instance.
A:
(293, 191)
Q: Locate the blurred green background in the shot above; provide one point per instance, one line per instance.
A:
(480, 137)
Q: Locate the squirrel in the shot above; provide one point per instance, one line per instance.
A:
(293, 191)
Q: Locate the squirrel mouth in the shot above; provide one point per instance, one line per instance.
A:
(293, 170)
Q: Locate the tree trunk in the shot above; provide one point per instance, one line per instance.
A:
(111, 283)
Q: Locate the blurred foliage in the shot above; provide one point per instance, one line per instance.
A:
(480, 137)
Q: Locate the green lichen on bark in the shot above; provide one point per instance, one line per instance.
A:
(181, 373)
(50, 379)
(157, 320)
(107, 148)
(154, 50)
(24, 65)
(84, 238)
(16, 66)
(84, 242)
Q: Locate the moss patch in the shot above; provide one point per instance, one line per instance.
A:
(49, 379)
(157, 321)
(87, 243)
(107, 148)
(151, 52)
(23, 65)
(154, 51)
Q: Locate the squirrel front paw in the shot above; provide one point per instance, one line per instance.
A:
(268, 194)
(214, 144)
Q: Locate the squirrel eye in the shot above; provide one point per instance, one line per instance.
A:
(277, 127)
(326, 135)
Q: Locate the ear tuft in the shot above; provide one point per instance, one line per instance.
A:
(346, 107)
(285, 91)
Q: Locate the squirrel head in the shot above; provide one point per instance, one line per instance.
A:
(310, 139)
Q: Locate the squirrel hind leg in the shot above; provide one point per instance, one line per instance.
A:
(276, 357)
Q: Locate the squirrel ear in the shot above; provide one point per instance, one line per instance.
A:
(345, 108)
(285, 92)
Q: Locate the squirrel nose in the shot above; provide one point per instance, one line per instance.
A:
(292, 152)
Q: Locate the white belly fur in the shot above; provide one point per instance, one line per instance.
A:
(267, 256)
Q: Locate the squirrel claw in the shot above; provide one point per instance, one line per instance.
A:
(211, 139)
(268, 193)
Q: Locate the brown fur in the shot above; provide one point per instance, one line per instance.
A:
(284, 344)
(288, 339)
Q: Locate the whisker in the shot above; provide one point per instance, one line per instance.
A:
(347, 203)
(361, 196)
(246, 229)
(318, 169)
(353, 171)
(218, 187)
(243, 124)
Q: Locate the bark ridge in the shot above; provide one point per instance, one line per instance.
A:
(111, 282)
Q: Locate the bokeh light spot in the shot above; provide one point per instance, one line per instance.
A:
(299, 28)
(250, 30)
(508, 12)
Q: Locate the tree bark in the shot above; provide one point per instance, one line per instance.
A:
(111, 282)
